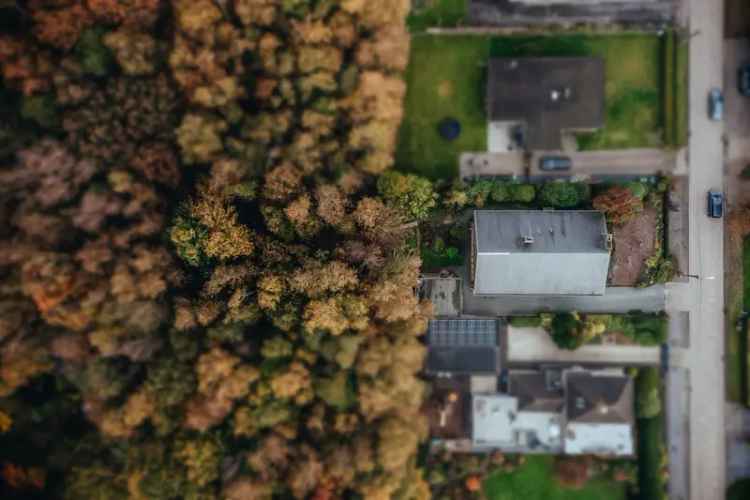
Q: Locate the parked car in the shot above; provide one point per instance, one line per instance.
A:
(555, 163)
(716, 105)
(715, 204)
(743, 80)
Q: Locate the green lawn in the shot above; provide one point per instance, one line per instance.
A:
(446, 78)
(436, 13)
(535, 481)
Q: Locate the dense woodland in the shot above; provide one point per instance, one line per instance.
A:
(203, 294)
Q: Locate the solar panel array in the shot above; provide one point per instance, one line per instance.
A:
(463, 332)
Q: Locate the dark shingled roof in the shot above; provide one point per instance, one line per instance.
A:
(537, 391)
(521, 89)
(463, 346)
(599, 399)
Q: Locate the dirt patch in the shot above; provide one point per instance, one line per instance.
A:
(634, 242)
(445, 89)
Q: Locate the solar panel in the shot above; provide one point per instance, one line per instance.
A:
(463, 332)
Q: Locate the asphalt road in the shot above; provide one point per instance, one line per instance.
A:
(704, 357)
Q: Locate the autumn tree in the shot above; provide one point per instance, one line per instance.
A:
(619, 204)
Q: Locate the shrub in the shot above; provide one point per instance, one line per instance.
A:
(639, 189)
(522, 193)
(559, 194)
(479, 192)
(501, 192)
(644, 329)
(648, 393)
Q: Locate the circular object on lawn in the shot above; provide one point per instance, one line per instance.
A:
(449, 129)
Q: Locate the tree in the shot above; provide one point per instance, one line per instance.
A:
(619, 204)
(409, 193)
(564, 331)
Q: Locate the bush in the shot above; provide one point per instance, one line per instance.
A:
(644, 329)
(526, 321)
(639, 189)
(522, 193)
(501, 192)
(648, 393)
(559, 194)
(479, 192)
(650, 329)
(411, 194)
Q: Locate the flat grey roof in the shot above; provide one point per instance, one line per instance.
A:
(537, 252)
(560, 231)
(548, 94)
(463, 346)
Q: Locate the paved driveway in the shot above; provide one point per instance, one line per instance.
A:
(533, 345)
(618, 162)
(615, 300)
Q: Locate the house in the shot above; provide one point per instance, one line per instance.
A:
(538, 252)
(546, 95)
(463, 347)
(571, 411)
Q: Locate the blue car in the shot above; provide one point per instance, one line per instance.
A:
(716, 105)
(743, 80)
(715, 205)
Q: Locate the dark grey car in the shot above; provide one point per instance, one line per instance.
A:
(555, 163)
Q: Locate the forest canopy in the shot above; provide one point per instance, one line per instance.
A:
(205, 290)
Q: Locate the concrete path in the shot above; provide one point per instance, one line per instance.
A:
(533, 345)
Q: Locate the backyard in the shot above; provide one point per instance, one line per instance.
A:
(446, 78)
(534, 480)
